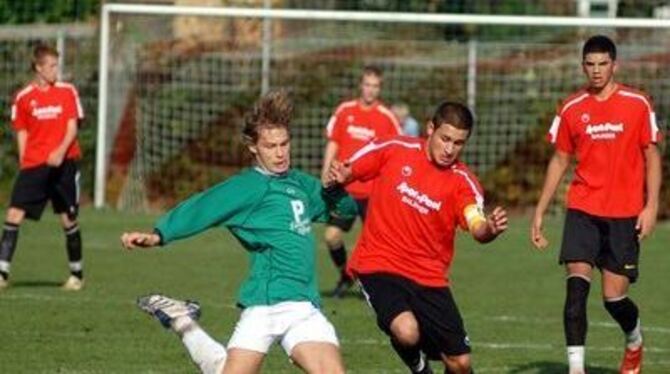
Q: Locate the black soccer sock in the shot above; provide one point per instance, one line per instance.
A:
(410, 355)
(10, 235)
(574, 312)
(625, 312)
(339, 256)
(73, 245)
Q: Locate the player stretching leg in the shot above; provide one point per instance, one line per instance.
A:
(270, 209)
(612, 202)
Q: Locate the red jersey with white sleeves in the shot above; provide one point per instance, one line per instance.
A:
(608, 139)
(44, 114)
(354, 125)
(413, 211)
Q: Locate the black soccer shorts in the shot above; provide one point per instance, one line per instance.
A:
(441, 327)
(608, 243)
(35, 186)
(346, 224)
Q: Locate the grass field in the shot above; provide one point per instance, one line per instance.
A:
(510, 296)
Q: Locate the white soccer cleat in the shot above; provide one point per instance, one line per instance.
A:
(73, 284)
(168, 310)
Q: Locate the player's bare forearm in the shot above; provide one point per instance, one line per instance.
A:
(21, 139)
(556, 169)
(328, 156)
(70, 135)
(653, 175)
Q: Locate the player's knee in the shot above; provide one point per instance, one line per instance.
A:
(15, 216)
(458, 364)
(333, 237)
(406, 331)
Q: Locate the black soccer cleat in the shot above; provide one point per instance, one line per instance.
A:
(343, 286)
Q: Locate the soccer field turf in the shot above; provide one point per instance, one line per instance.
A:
(510, 296)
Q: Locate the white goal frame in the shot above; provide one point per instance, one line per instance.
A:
(302, 14)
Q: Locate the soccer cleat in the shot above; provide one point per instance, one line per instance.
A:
(3, 283)
(168, 310)
(73, 283)
(343, 285)
(632, 361)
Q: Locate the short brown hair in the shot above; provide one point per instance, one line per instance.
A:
(273, 110)
(40, 52)
(372, 70)
(455, 114)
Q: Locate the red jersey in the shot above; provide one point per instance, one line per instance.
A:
(608, 139)
(44, 114)
(413, 211)
(354, 125)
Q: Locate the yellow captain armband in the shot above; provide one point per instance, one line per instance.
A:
(474, 216)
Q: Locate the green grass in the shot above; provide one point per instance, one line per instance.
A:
(510, 296)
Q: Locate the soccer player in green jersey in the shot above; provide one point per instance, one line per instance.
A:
(270, 209)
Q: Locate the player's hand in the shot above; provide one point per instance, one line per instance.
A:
(131, 240)
(55, 158)
(536, 236)
(338, 173)
(497, 221)
(646, 222)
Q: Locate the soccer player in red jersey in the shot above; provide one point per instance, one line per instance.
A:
(353, 125)
(421, 195)
(613, 199)
(45, 115)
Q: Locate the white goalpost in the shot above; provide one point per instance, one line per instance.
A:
(173, 78)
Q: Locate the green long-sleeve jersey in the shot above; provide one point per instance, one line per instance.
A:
(271, 215)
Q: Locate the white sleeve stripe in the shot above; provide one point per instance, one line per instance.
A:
(637, 96)
(391, 117)
(478, 196)
(553, 130)
(331, 126)
(573, 102)
(654, 127)
(372, 146)
(13, 112)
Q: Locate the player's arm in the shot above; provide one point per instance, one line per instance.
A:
(485, 228)
(328, 156)
(647, 218)
(327, 201)
(228, 203)
(21, 140)
(558, 165)
(57, 155)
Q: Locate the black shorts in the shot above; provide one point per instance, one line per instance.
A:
(346, 224)
(35, 186)
(440, 324)
(608, 243)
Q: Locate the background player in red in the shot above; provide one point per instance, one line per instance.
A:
(45, 115)
(354, 124)
(613, 198)
(421, 195)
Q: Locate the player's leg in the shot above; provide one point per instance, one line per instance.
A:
(389, 296)
(310, 339)
(180, 317)
(579, 252)
(243, 361)
(620, 269)
(333, 235)
(443, 335)
(254, 334)
(64, 195)
(29, 197)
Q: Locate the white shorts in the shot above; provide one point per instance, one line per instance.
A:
(292, 322)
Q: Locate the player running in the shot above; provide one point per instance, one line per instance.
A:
(353, 125)
(45, 116)
(613, 199)
(270, 209)
(421, 195)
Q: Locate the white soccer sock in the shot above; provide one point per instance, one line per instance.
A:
(576, 359)
(207, 353)
(634, 338)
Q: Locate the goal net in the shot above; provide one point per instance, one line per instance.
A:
(177, 82)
